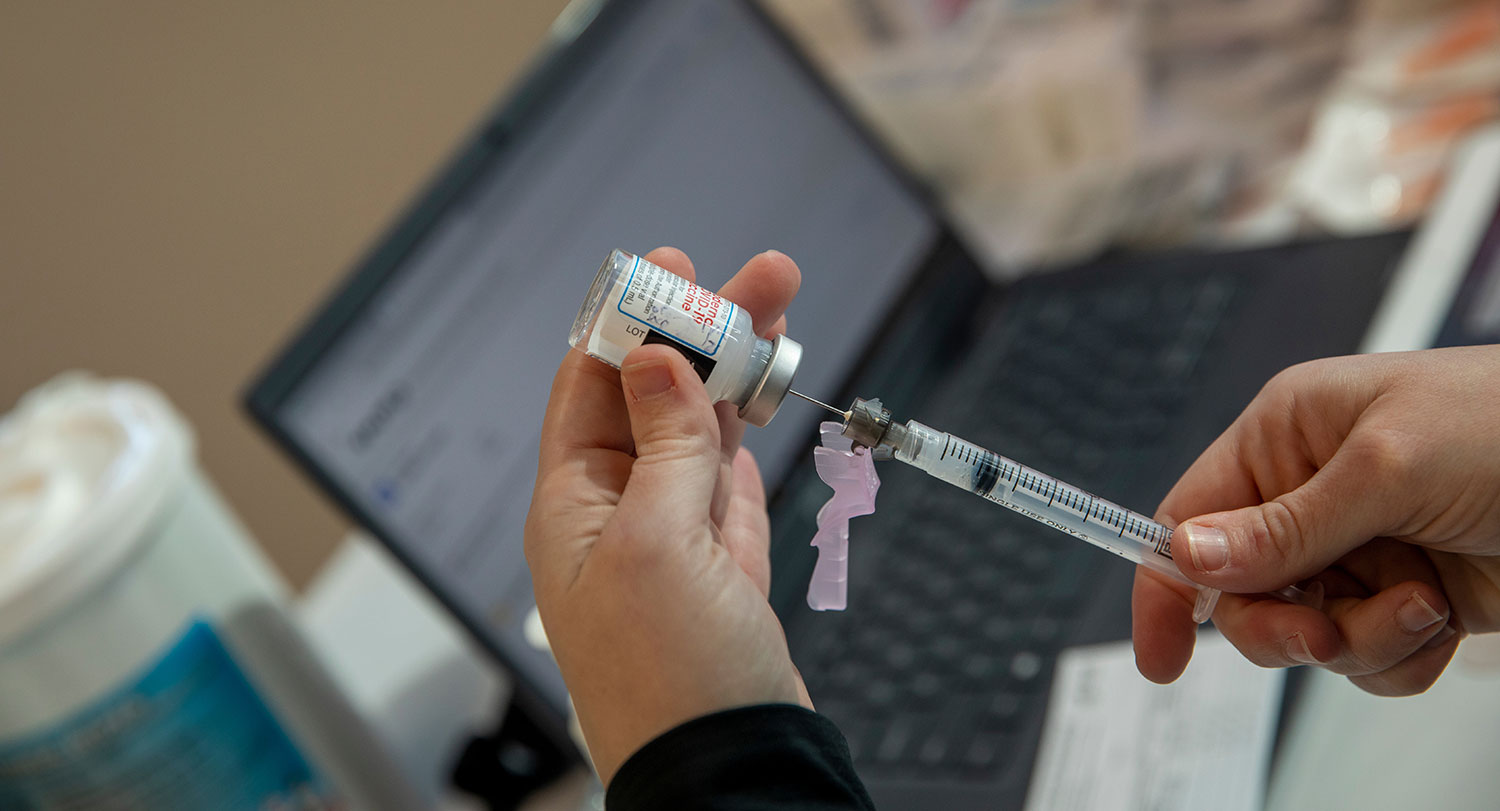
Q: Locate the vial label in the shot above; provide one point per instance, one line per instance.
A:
(701, 363)
(652, 299)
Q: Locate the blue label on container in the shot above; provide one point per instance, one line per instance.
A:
(189, 734)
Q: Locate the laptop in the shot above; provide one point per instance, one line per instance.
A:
(650, 122)
(697, 123)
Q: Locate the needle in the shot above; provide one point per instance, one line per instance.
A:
(844, 414)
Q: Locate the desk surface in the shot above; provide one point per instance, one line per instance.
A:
(1345, 748)
(423, 686)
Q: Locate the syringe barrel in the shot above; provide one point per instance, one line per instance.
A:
(1042, 498)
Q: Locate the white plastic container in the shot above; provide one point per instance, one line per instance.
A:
(146, 660)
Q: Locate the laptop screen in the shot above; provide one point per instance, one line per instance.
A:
(682, 122)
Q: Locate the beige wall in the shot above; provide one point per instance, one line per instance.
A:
(181, 182)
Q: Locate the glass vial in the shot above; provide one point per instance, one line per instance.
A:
(633, 302)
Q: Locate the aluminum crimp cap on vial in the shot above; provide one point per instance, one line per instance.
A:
(774, 383)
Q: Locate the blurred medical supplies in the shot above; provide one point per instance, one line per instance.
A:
(146, 660)
(1421, 76)
(1052, 128)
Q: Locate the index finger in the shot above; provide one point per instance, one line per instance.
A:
(765, 287)
(1161, 609)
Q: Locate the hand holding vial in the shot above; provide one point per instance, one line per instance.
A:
(648, 537)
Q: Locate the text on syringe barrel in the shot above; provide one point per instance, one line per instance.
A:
(1039, 496)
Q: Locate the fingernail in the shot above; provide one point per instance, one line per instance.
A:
(1415, 614)
(1209, 547)
(1441, 637)
(1296, 650)
(647, 380)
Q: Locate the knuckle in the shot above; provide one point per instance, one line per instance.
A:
(1398, 681)
(1279, 384)
(1353, 661)
(1268, 658)
(1277, 532)
(1285, 384)
(678, 445)
(1258, 651)
(1382, 455)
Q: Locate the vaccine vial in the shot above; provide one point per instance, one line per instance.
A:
(633, 302)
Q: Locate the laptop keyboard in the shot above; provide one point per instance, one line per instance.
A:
(939, 669)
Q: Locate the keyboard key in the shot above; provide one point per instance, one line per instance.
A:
(923, 621)
(1028, 598)
(861, 736)
(966, 612)
(900, 656)
(934, 749)
(1045, 632)
(981, 670)
(940, 587)
(844, 676)
(1025, 667)
(982, 577)
(999, 711)
(879, 693)
(1066, 583)
(872, 641)
(986, 751)
(892, 746)
(1001, 631)
(927, 689)
(945, 648)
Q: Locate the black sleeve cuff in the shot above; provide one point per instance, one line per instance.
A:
(767, 756)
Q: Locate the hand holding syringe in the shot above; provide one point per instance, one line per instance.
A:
(1031, 493)
(633, 302)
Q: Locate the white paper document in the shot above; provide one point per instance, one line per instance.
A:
(1116, 741)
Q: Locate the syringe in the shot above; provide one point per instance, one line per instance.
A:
(1031, 493)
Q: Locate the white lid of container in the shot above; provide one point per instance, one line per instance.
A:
(86, 465)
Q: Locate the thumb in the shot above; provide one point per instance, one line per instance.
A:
(1291, 537)
(676, 440)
